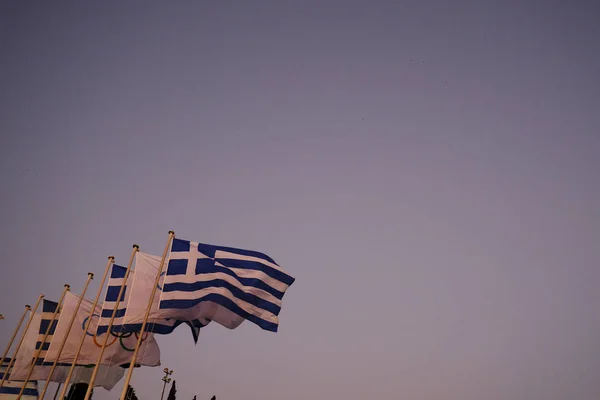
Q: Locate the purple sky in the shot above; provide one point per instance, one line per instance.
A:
(427, 170)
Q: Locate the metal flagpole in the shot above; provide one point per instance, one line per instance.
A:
(12, 339)
(148, 309)
(57, 389)
(37, 354)
(111, 260)
(64, 341)
(12, 360)
(88, 394)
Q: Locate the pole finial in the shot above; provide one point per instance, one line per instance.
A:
(91, 275)
(27, 307)
(172, 233)
(136, 247)
(112, 258)
(1, 316)
(67, 286)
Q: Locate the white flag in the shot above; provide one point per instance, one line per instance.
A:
(107, 378)
(118, 350)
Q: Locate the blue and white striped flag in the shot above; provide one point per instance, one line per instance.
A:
(204, 279)
(117, 277)
(11, 389)
(146, 267)
(48, 320)
(107, 376)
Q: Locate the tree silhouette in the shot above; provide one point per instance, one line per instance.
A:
(194, 397)
(172, 392)
(130, 394)
(77, 391)
(214, 398)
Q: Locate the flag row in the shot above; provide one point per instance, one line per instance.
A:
(193, 284)
(197, 284)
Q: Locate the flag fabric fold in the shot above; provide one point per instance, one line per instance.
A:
(108, 377)
(223, 284)
(11, 389)
(146, 267)
(119, 349)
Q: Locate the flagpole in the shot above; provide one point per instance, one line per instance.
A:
(64, 341)
(12, 360)
(88, 394)
(148, 309)
(111, 260)
(57, 389)
(14, 335)
(39, 351)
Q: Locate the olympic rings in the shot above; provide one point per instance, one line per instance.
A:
(123, 346)
(84, 324)
(122, 335)
(116, 336)
(94, 335)
(137, 336)
(107, 344)
(157, 285)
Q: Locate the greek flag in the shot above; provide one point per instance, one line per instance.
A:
(49, 320)
(11, 389)
(106, 378)
(116, 280)
(146, 267)
(204, 279)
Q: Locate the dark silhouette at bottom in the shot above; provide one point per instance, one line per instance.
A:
(130, 394)
(77, 391)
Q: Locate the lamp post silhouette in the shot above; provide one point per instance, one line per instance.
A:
(166, 380)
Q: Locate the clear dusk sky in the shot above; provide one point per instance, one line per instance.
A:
(429, 171)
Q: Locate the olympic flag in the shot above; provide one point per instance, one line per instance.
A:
(119, 348)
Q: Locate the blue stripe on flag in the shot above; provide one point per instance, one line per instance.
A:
(44, 348)
(40, 361)
(219, 283)
(49, 306)
(17, 390)
(113, 292)
(108, 313)
(118, 272)
(225, 302)
(46, 323)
